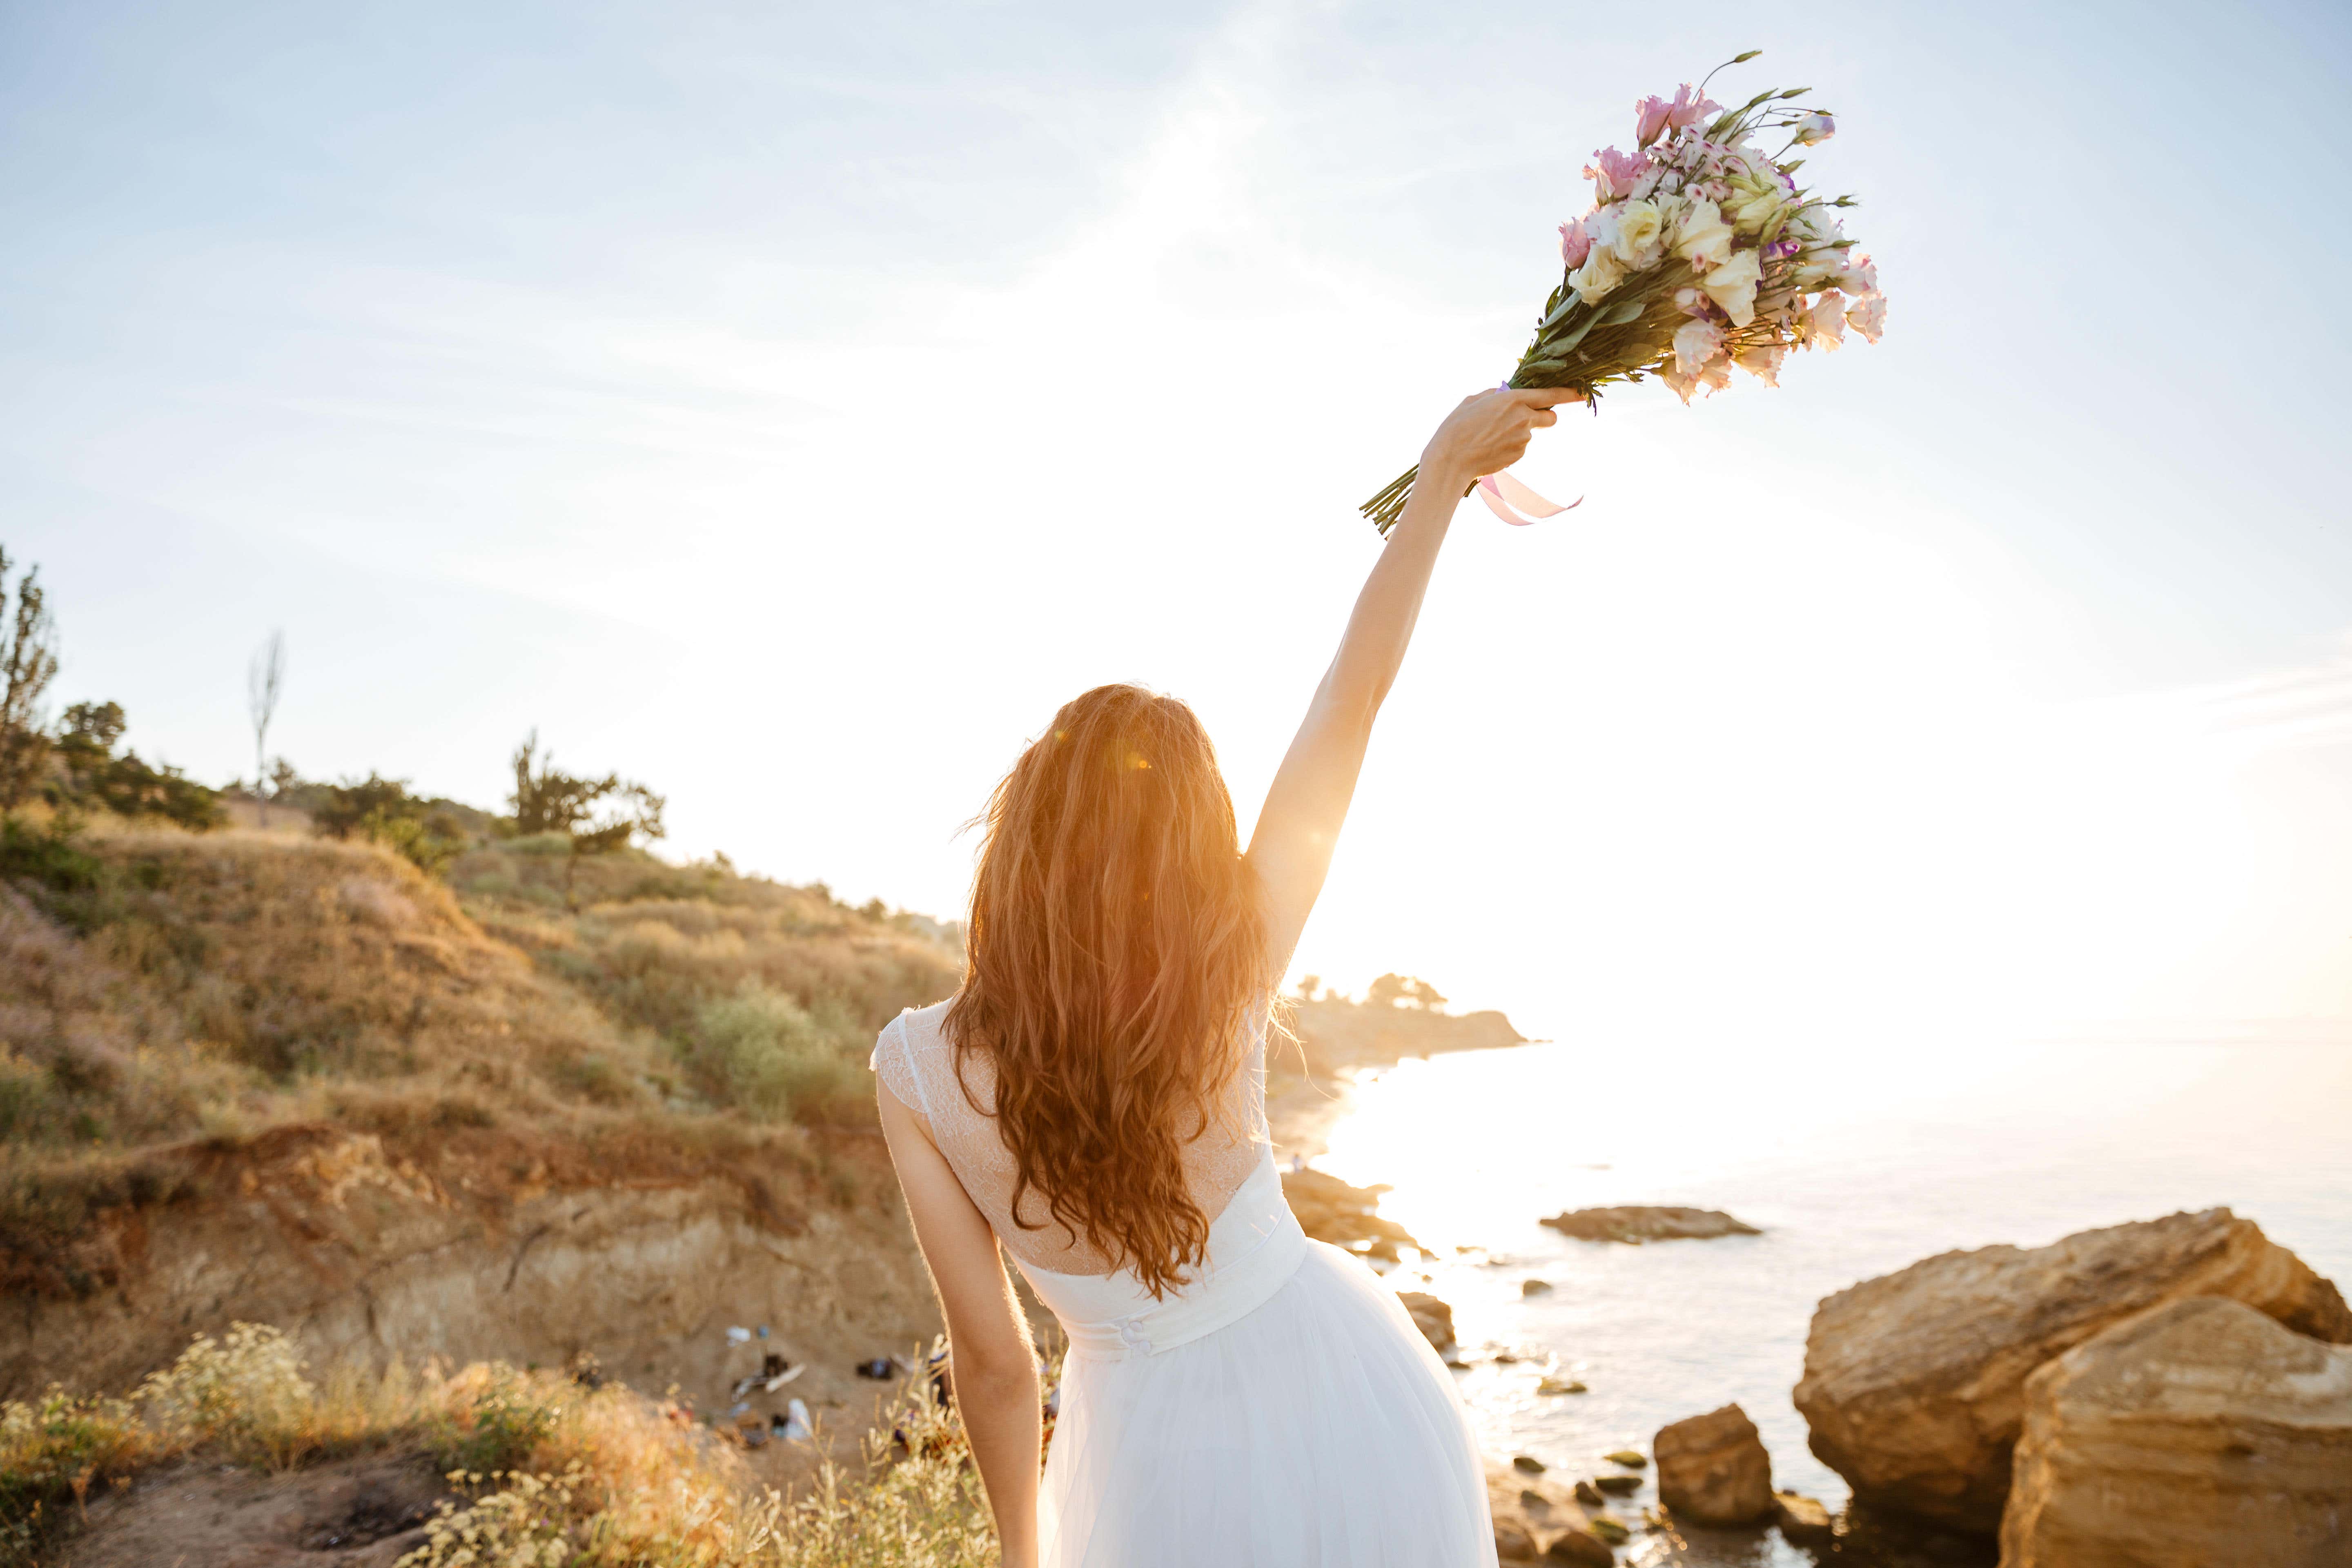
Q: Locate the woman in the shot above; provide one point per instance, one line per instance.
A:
(1092, 1099)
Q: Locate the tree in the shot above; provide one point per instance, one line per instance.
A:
(597, 817)
(124, 786)
(263, 679)
(28, 662)
(86, 737)
(1402, 991)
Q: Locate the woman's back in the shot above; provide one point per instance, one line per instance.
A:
(918, 1063)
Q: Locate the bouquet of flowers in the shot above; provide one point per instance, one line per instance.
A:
(1701, 252)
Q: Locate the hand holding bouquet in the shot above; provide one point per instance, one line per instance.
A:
(1701, 252)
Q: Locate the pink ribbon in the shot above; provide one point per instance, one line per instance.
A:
(1507, 498)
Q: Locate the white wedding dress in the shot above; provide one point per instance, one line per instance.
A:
(1279, 1411)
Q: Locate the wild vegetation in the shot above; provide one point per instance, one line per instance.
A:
(159, 986)
(540, 1467)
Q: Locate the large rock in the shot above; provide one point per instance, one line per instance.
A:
(1328, 1209)
(1637, 1222)
(2200, 1435)
(1915, 1382)
(1713, 1469)
(1540, 1519)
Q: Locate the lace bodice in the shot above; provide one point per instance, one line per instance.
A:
(918, 1064)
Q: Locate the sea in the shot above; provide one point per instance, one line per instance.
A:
(1853, 1162)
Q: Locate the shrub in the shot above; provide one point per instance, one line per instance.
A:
(125, 785)
(764, 1052)
(495, 1419)
(381, 811)
(24, 1098)
(52, 1450)
(527, 1525)
(51, 855)
(246, 1395)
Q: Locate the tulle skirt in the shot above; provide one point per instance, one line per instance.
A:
(1318, 1431)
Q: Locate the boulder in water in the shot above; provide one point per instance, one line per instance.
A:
(1713, 1469)
(1432, 1317)
(2201, 1433)
(1803, 1520)
(1635, 1224)
(1328, 1209)
(1540, 1519)
(1915, 1382)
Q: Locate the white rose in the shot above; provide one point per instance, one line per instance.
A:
(1733, 287)
(1701, 236)
(1639, 234)
(1757, 200)
(1600, 273)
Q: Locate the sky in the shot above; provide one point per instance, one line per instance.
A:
(790, 406)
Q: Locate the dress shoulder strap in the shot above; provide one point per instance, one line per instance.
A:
(894, 1061)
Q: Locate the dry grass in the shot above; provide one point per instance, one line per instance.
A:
(169, 995)
(545, 1469)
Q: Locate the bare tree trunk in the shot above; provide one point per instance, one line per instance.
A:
(263, 679)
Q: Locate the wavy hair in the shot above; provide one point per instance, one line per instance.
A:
(1115, 959)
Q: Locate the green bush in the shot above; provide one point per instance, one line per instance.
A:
(52, 1451)
(764, 1052)
(508, 1419)
(50, 856)
(125, 785)
(24, 1098)
(380, 810)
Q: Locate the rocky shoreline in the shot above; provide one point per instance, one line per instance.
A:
(2175, 1392)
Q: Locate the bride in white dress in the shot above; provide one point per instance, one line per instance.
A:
(1092, 1099)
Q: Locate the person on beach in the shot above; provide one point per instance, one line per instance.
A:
(1092, 1099)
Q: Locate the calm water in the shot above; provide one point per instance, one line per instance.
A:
(1853, 1163)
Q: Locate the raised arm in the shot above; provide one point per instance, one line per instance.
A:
(1299, 826)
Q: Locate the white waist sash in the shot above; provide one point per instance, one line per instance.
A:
(1254, 1246)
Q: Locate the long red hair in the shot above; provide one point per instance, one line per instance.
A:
(1115, 962)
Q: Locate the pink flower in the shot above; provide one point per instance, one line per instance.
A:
(1575, 245)
(1696, 344)
(1824, 324)
(1690, 106)
(1763, 362)
(1815, 129)
(1650, 117)
(1715, 376)
(1612, 172)
(1868, 315)
(1859, 276)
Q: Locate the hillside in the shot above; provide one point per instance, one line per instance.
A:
(293, 1079)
